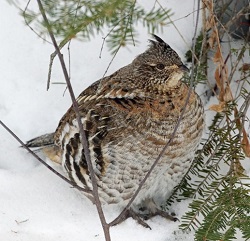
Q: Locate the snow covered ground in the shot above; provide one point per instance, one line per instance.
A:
(34, 203)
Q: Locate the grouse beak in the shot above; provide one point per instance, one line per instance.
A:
(184, 68)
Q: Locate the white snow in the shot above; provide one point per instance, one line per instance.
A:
(34, 203)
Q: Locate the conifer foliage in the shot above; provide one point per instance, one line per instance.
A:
(217, 181)
(83, 19)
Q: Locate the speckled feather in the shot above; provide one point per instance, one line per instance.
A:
(128, 117)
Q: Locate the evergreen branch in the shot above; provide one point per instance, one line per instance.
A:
(224, 218)
(82, 19)
(201, 206)
(93, 16)
(221, 200)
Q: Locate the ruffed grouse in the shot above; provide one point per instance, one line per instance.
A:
(128, 118)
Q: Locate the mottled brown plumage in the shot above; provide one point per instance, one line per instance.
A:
(129, 117)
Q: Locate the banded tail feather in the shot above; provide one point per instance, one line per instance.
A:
(46, 144)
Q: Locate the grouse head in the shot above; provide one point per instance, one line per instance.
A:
(156, 71)
(159, 66)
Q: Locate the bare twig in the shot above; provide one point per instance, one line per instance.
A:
(109, 32)
(42, 161)
(23, 221)
(81, 130)
(172, 22)
(128, 22)
(52, 57)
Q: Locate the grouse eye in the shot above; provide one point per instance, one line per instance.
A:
(160, 66)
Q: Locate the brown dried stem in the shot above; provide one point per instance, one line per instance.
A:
(81, 130)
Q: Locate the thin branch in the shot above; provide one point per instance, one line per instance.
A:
(172, 22)
(178, 19)
(109, 32)
(33, 30)
(129, 21)
(82, 132)
(52, 57)
(42, 161)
